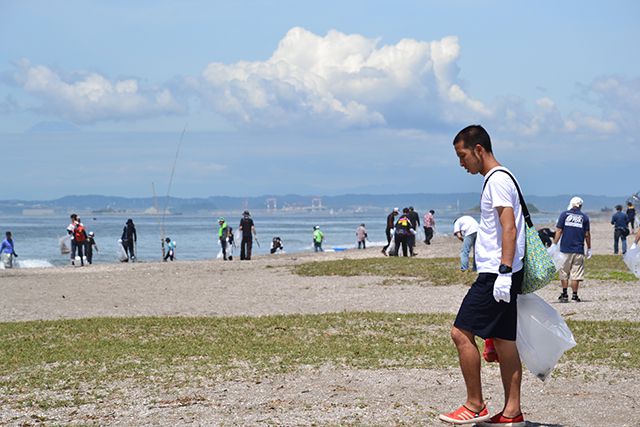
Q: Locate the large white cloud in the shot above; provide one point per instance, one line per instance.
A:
(333, 81)
(345, 79)
(91, 97)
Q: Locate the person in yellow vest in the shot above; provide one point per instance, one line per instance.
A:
(223, 231)
(318, 237)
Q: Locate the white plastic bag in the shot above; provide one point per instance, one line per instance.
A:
(632, 259)
(391, 249)
(558, 257)
(542, 335)
(121, 254)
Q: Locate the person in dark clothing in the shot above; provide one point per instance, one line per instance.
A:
(89, 244)
(248, 231)
(620, 230)
(276, 245)
(391, 219)
(403, 229)
(631, 216)
(129, 238)
(415, 223)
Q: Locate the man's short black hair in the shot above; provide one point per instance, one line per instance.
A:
(432, 211)
(618, 207)
(473, 135)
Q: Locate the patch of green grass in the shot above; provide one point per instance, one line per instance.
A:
(64, 355)
(444, 271)
(435, 271)
(608, 268)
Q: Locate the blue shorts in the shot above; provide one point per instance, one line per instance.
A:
(481, 315)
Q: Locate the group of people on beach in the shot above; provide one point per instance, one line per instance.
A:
(402, 232)
(82, 243)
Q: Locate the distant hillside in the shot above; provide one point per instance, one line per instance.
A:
(456, 202)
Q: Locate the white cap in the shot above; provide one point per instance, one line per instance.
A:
(316, 227)
(576, 202)
(396, 209)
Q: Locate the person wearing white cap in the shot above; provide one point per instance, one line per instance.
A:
(391, 224)
(90, 245)
(572, 231)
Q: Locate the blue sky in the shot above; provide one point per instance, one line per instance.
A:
(327, 98)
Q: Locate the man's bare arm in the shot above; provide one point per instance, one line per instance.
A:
(509, 234)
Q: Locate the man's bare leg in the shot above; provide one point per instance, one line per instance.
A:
(469, 357)
(511, 372)
(574, 286)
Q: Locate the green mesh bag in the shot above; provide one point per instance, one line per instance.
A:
(539, 268)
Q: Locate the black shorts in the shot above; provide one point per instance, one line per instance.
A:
(481, 315)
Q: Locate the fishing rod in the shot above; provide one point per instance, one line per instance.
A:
(166, 200)
(160, 226)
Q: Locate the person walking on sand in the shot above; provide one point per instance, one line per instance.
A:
(171, 249)
(80, 239)
(318, 238)
(465, 229)
(429, 224)
(391, 223)
(8, 251)
(361, 236)
(70, 230)
(631, 216)
(403, 230)
(573, 231)
(248, 231)
(223, 235)
(129, 239)
(89, 245)
(414, 217)
(619, 220)
(489, 309)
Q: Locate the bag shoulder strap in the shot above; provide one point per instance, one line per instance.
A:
(523, 204)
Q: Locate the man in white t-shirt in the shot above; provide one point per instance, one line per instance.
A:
(465, 229)
(489, 309)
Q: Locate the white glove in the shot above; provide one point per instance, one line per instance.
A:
(589, 253)
(502, 288)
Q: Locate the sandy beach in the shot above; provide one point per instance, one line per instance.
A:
(311, 396)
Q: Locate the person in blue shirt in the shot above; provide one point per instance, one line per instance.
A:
(171, 249)
(7, 251)
(619, 220)
(572, 231)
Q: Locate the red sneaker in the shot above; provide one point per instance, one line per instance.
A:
(502, 421)
(464, 415)
(489, 354)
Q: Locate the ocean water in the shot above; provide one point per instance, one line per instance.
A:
(36, 238)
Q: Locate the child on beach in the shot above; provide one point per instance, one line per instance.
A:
(90, 244)
(171, 249)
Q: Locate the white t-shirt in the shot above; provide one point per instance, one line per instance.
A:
(465, 225)
(500, 191)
